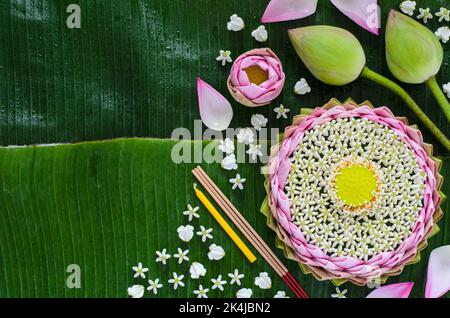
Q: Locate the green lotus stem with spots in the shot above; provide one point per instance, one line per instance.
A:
(439, 96)
(394, 87)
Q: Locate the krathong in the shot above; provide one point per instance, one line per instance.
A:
(339, 233)
(256, 78)
(335, 57)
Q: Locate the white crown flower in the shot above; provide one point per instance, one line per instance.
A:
(443, 34)
(216, 252)
(263, 281)
(280, 294)
(408, 7)
(260, 34)
(197, 270)
(245, 136)
(136, 291)
(185, 232)
(226, 146)
(302, 87)
(236, 23)
(258, 121)
(446, 89)
(244, 293)
(229, 162)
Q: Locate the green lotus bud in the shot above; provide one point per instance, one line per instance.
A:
(413, 52)
(333, 55)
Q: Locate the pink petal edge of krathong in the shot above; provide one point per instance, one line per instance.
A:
(438, 277)
(285, 10)
(363, 12)
(400, 290)
(215, 110)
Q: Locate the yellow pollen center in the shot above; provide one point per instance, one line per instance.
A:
(256, 75)
(355, 185)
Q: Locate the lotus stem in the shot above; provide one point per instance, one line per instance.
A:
(394, 87)
(439, 96)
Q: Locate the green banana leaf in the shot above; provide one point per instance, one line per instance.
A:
(106, 206)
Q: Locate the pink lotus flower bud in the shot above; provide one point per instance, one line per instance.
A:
(256, 78)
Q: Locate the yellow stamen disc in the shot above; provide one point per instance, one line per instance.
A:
(256, 75)
(355, 185)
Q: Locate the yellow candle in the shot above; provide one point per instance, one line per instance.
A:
(232, 234)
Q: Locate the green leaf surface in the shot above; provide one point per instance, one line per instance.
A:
(130, 70)
(108, 205)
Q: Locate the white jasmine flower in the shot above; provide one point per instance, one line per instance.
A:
(236, 277)
(339, 293)
(302, 87)
(238, 182)
(236, 23)
(136, 291)
(280, 294)
(176, 281)
(154, 285)
(260, 34)
(443, 34)
(443, 14)
(185, 232)
(246, 136)
(244, 293)
(204, 233)
(408, 7)
(226, 146)
(254, 151)
(446, 89)
(218, 283)
(216, 252)
(191, 212)
(162, 256)
(259, 121)
(182, 255)
(425, 15)
(224, 57)
(197, 270)
(139, 270)
(201, 292)
(229, 162)
(281, 111)
(263, 281)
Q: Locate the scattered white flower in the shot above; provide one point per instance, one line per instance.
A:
(154, 285)
(185, 232)
(224, 57)
(204, 233)
(302, 87)
(197, 270)
(182, 255)
(216, 252)
(136, 291)
(443, 14)
(260, 34)
(263, 281)
(425, 15)
(226, 146)
(237, 182)
(244, 293)
(446, 89)
(191, 212)
(236, 23)
(281, 111)
(246, 136)
(201, 292)
(162, 256)
(229, 162)
(176, 280)
(254, 151)
(280, 294)
(443, 34)
(408, 7)
(218, 283)
(339, 293)
(139, 270)
(259, 121)
(235, 277)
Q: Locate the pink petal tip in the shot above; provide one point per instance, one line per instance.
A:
(438, 277)
(400, 290)
(285, 10)
(366, 13)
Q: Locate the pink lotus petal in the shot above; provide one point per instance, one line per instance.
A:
(284, 10)
(400, 290)
(438, 278)
(215, 110)
(363, 12)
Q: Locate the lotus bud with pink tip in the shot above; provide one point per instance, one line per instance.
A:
(256, 78)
